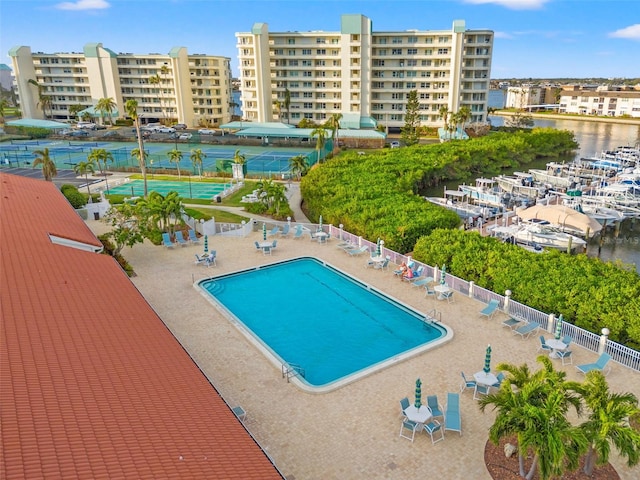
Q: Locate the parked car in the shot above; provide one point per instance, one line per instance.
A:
(86, 125)
(77, 133)
(206, 131)
(166, 130)
(100, 127)
(180, 126)
(185, 136)
(395, 144)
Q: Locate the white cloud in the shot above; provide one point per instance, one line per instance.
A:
(502, 35)
(513, 4)
(632, 32)
(84, 5)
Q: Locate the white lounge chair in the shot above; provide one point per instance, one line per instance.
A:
(357, 251)
(526, 330)
(490, 309)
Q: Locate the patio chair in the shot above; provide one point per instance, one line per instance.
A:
(414, 275)
(565, 356)
(404, 404)
(452, 420)
(567, 340)
(274, 244)
(266, 250)
(479, 390)
(500, 378)
(543, 345)
(526, 330)
(258, 248)
(466, 383)
(490, 309)
(201, 260)
(511, 322)
(384, 265)
(599, 365)
(411, 427)
(285, 231)
(298, 233)
(193, 238)
(433, 427)
(357, 251)
(211, 259)
(166, 241)
(429, 291)
(448, 296)
(180, 238)
(240, 413)
(436, 409)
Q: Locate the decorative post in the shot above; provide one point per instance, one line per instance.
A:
(289, 221)
(507, 299)
(471, 285)
(341, 226)
(551, 323)
(382, 248)
(603, 340)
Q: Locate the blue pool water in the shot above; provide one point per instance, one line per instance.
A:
(305, 312)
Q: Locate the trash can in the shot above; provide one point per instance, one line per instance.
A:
(218, 199)
(96, 215)
(255, 226)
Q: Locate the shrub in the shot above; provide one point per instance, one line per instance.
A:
(108, 250)
(75, 198)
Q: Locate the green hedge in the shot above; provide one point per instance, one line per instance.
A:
(377, 195)
(588, 292)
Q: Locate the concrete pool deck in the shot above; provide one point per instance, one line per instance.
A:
(352, 432)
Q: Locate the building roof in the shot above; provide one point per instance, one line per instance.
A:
(92, 383)
(34, 122)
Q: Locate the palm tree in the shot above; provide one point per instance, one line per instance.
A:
(321, 134)
(131, 108)
(3, 105)
(85, 168)
(49, 169)
(278, 108)
(608, 423)
(197, 155)
(44, 101)
(444, 115)
(175, 156)
(535, 411)
(106, 105)
(334, 124)
(464, 115)
(100, 157)
(298, 165)
(287, 101)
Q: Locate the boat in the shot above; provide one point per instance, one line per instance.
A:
(552, 177)
(486, 192)
(458, 202)
(542, 233)
(507, 235)
(521, 184)
(563, 217)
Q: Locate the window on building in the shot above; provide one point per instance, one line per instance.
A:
(321, 51)
(306, 51)
(396, 51)
(307, 105)
(412, 40)
(412, 51)
(291, 41)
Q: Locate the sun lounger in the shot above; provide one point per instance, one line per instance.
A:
(274, 231)
(180, 238)
(357, 251)
(192, 237)
(285, 231)
(599, 365)
(422, 281)
(490, 309)
(298, 232)
(452, 420)
(166, 241)
(526, 330)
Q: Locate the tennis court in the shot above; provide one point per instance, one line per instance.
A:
(262, 161)
(189, 189)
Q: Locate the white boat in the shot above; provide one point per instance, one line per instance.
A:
(552, 177)
(486, 192)
(458, 202)
(521, 183)
(543, 234)
(563, 217)
(508, 235)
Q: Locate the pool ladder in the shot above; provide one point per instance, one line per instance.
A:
(291, 370)
(433, 316)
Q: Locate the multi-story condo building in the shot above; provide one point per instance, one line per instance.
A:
(600, 100)
(178, 87)
(364, 75)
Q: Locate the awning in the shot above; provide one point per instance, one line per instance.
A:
(93, 113)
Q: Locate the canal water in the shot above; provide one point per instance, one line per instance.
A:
(593, 138)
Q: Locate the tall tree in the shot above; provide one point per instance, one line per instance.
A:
(197, 155)
(444, 115)
(298, 165)
(131, 107)
(106, 106)
(464, 115)
(287, 102)
(535, 411)
(100, 157)
(175, 156)
(410, 133)
(4, 104)
(85, 168)
(319, 133)
(277, 105)
(608, 423)
(49, 170)
(334, 124)
(75, 109)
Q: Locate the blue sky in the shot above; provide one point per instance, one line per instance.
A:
(534, 38)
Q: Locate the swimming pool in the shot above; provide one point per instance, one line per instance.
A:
(193, 189)
(305, 312)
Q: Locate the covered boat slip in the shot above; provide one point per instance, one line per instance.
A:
(562, 216)
(458, 202)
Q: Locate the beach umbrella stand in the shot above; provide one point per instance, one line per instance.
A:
(206, 244)
(264, 231)
(443, 274)
(418, 402)
(559, 327)
(487, 360)
(320, 224)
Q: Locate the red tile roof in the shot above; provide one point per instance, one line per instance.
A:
(92, 383)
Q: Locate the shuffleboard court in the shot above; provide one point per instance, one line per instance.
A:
(193, 189)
